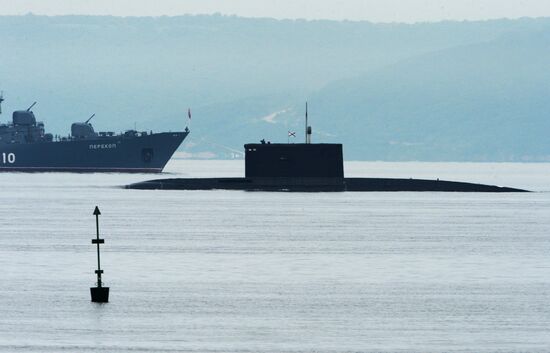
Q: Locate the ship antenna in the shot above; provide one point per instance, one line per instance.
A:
(90, 118)
(1, 100)
(32, 105)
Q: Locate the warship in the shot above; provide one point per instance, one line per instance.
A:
(26, 147)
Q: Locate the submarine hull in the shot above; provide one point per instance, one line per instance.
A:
(136, 154)
(318, 185)
(307, 168)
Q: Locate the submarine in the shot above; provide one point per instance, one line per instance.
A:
(307, 167)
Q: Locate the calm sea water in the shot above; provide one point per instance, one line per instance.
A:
(232, 271)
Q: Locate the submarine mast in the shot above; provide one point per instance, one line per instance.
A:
(308, 130)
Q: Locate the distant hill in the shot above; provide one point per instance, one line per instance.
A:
(433, 91)
(480, 102)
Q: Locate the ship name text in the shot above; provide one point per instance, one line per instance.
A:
(102, 146)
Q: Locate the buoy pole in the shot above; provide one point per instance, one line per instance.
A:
(100, 294)
(98, 241)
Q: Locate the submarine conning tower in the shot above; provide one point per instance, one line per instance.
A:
(302, 160)
(322, 161)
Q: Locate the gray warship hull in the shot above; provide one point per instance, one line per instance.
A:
(147, 153)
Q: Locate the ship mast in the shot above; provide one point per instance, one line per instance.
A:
(1, 100)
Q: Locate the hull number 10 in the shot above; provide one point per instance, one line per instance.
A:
(8, 158)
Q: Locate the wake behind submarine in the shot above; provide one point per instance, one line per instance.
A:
(306, 167)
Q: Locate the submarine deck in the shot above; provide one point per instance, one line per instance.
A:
(318, 185)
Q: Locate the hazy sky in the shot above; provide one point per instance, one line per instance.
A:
(372, 10)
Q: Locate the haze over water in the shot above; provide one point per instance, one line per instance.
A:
(231, 271)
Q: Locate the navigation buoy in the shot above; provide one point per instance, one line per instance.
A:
(100, 294)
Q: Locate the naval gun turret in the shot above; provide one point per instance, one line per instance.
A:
(83, 130)
(24, 117)
(23, 129)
